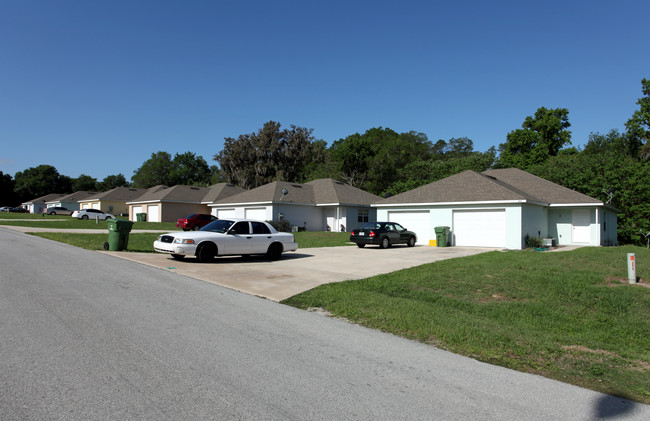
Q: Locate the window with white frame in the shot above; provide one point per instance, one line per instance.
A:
(363, 215)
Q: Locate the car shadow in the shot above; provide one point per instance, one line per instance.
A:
(244, 259)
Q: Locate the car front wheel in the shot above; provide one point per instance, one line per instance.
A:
(206, 253)
(385, 243)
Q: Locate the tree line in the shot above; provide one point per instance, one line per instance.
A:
(613, 167)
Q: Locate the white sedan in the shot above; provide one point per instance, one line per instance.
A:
(225, 237)
(91, 213)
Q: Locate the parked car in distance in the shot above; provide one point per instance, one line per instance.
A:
(383, 234)
(91, 213)
(224, 237)
(57, 210)
(195, 221)
(18, 210)
(5, 209)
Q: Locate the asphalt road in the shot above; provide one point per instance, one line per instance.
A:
(85, 335)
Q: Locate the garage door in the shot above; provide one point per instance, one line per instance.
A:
(258, 214)
(417, 221)
(480, 228)
(153, 213)
(225, 213)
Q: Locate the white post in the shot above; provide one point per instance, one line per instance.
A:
(631, 268)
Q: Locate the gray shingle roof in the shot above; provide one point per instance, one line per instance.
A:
(317, 192)
(544, 190)
(122, 194)
(509, 184)
(74, 197)
(178, 193)
(221, 191)
(43, 199)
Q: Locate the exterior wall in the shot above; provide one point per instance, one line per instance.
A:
(608, 227)
(351, 221)
(443, 216)
(534, 222)
(170, 212)
(603, 226)
(309, 217)
(112, 207)
(73, 206)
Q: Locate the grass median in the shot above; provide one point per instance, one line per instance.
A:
(570, 316)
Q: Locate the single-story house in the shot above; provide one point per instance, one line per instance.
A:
(319, 205)
(169, 204)
(499, 208)
(114, 201)
(39, 204)
(70, 201)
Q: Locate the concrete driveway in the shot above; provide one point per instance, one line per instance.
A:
(302, 270)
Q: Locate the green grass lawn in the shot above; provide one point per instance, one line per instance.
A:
(570, 316)
(66, 222)
(138, 243)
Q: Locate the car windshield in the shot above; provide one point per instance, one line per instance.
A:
(220, 225)
(371, 226)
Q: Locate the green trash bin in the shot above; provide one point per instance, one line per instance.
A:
(118, 234)
(141, 217)
(442, 236)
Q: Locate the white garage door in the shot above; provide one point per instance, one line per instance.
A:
(225, 213)
(258, 214)
(153, 213)
(417, 221)
(480, 228)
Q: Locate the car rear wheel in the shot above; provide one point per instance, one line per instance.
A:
(52, 213)
(84, 217)
(206, 253)
(411, 242)
(178, 256)
(385, 243)
(361, 245)
(274, 252)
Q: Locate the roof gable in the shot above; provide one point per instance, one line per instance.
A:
(221, 191)
(543, 190)
(504, 185)
(74, 197)
(316, 192)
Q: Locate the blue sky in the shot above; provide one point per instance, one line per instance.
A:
(95, 87)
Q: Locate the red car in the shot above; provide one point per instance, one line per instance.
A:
(195, 221)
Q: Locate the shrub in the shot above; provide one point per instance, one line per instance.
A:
(282, 225)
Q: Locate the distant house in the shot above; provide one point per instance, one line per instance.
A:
(319, 205)
(114, 201)
(70, 201)
(498, 208)
(40, 203)
(170, 203)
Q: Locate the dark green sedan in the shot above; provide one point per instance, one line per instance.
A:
(382, 234)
